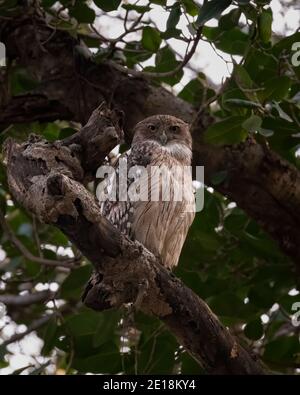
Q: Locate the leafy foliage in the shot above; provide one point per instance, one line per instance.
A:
(227, 259)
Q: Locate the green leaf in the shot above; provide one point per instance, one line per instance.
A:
(165, 60)
(107, 325)
(141, 9)
(189, 365)
(66, 132)
(261, 295)
(242, 78)
(135, 53)
(254, 329)
(230, 20)
(219, 177)
(174, 16)
(275, 89)
(252, 124)
(261, 66)
(108, 360)
(232, 41)
(211, 9)
(151, 359)
(235, 221)
(3, 351)
(285, 44)
(265, 25)
(83, 323)
(159, 2)
(228, 131)
(151, 39)
(261, 246)
(171, 33)
(22, 81)
(73, 285)
(49, 337)
(191, 7)
(82, 13)
(3, 364)
(107, 5)
(244, 82)
(51, 131)
(208, 240)
(283, 349)
(48, 3)
(193, 92)
(227, 304)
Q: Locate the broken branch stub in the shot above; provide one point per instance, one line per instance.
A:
(103, 131)
(46, 178)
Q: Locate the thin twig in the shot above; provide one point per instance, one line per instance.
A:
(35, 325)
(113, 41)
(137, 73)
(28, 299)
(27, 254)
(36, 236)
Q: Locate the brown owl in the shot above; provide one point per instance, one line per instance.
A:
(158, 174)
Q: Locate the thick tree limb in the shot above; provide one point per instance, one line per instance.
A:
(126, 271)
(71, 85)
(31, 108)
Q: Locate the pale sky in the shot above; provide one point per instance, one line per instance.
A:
(205, 59)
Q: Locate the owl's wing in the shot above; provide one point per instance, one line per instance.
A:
(119, 212)
(111, 208)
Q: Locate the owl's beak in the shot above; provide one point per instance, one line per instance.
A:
(163, 138)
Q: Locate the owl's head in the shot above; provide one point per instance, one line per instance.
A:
(166, 131)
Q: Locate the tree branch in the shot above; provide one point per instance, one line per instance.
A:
(27, 254)
(188, 56)
(33, 107)
(34, 326)
(126, 272)
(28, 299)
(258, 180)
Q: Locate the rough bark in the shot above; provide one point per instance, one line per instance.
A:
(71, 85)
(46, 179)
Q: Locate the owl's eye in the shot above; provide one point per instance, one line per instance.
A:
(174, 129)
(152, 127)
